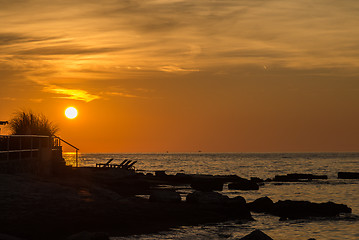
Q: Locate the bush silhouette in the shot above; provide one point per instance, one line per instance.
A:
(29, 123)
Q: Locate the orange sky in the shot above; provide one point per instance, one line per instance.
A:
(182, 76)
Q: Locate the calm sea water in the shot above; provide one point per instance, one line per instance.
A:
(263, 165)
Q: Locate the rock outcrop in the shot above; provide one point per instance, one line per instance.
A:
(348, 175)
(304, 209)
(263, 204)
(165, 196)
(243, 184)
(199, 197)
(298, 177)
(256, 235)
(89, 236)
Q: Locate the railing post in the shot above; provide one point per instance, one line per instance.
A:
(8, 148)
(20, 148)
(31, 147)
(77, 159)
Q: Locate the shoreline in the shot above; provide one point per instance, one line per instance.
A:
(36, 208)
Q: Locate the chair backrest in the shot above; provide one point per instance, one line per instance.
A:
(108, 162)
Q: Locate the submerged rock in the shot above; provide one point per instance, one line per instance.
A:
(256, 235)
(165, 196)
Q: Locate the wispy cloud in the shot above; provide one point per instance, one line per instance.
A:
(172, 68)
(75, 94)
(121, 94)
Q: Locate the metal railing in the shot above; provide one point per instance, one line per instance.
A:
(27, 146)
(22, 146)
(59, 140)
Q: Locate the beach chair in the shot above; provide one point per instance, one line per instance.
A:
(126, 164)
(131, 165)
(108, 163)
(123, 163)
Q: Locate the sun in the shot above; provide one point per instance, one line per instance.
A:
(71, 112)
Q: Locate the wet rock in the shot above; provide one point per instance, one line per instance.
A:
(206, 185)
(348, 175)
(165, 196)
(296, 177)
(263, 204)
(243, 184)
(199, 197)
(237, 201)
(257, 180)
(256, 235)
(239, 207)
(303, 209)
(89, 236)
(160, 173)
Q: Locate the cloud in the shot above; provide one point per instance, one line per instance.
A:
(65, 50)
(172, 68)
(75, 94)
(121, 94)
(11, 38)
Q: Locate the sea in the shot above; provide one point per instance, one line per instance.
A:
(262, 165)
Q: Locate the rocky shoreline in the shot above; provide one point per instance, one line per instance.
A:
(57, 207)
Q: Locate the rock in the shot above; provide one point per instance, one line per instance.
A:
(239, 207)
(256, 235)
(207, 185)
(8, 237)
(303, 209)
(165, 196)
(263, 204)
(297, 177)
(348, 175)
(89, 236)
(257, 180)
(243, 184)
(237, 201)
(160, 173)
(199, 197)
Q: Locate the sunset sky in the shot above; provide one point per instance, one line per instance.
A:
(184, 76)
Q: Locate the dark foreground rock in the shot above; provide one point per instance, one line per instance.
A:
(8, 237)
(263, 204)
(304, 209)
(55, 209)
(199, 197)
(256, 235)
(207, 184)
(243, 184)
(233, 206)
(297, 209)
(165, 196)
(89, 236)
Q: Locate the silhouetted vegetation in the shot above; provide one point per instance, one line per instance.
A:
(29, 123)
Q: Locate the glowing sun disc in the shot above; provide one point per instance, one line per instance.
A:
(71, 112)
